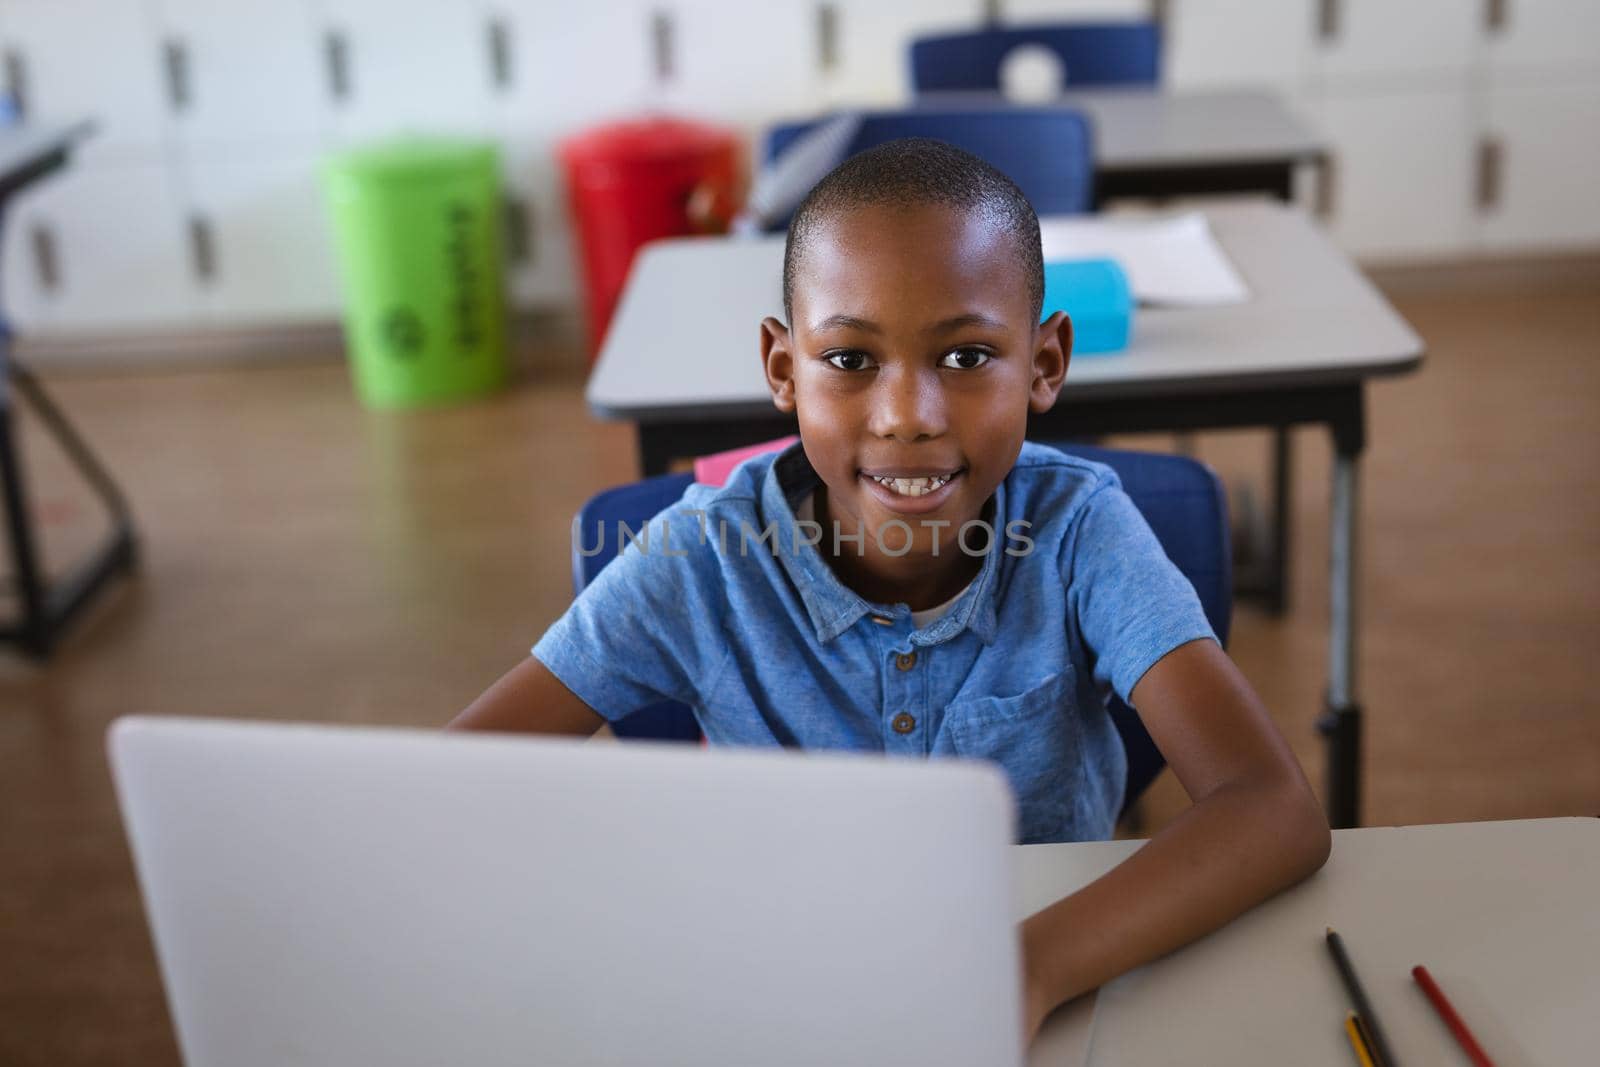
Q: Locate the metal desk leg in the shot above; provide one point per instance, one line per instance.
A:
(655, 450)
(1282, 504)
(1266, 579)
(48, 607)
(1276, 588)
(32, 631)
(1277, 591)
(1341, 723)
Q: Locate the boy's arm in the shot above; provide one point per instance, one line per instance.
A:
(529, 699)
(1254, 829)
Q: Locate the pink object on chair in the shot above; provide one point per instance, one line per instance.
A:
(715, 468)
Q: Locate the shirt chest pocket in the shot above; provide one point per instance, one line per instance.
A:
(1034, 737)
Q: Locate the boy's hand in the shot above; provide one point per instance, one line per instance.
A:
(1254, 829)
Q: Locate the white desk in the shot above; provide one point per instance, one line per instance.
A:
(682, 360)
(1503, 914)
(1156, 142)
(683, 346)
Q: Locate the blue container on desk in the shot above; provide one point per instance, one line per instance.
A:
(1095, 294)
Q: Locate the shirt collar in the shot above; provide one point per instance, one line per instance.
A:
(834, 607)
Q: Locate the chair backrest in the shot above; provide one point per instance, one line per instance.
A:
(1181, 499)
(1105, 53)
(1048, 152)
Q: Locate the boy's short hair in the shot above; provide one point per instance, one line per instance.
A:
(914, 171)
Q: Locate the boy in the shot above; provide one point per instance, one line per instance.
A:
(912, 577)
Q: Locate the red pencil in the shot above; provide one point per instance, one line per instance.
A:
(1463, 1036)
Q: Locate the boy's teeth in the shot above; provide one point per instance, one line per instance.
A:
(913, 486)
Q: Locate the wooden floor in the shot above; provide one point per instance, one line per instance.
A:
(304, 559)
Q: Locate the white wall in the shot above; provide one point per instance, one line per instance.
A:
(1450, 136)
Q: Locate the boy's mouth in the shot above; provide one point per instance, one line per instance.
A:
(912, 486)
(917, 489)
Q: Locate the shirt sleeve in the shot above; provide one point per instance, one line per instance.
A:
(1133, 605)
(648, 625)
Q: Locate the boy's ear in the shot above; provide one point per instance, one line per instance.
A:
(1052, 351)
(777, 361)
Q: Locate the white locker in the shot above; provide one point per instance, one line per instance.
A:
(1238, 43)
(1398, 43)
(1406, 93)
(1539, 38)
(571, 67)
(117, 252)
(253, 74)
(1015, 11)
(1542, 167)
(97, 59)
(271, 250)
(872, 46)
(420, 67)
(743, 63)
(1402, 171)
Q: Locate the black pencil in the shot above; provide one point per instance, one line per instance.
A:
(1366, 1035)
(1380, 1045)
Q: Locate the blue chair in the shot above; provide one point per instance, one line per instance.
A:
(1048, 152)
(1181, 499)
(1109, 53)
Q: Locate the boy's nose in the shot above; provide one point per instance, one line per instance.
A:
(908, 405)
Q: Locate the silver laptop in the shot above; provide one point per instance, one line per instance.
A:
(339, 895)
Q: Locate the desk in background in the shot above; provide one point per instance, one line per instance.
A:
(682, 361)
(1502, 913)
(1156, 143)
(28, 153)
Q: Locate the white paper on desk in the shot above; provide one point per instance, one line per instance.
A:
(1173, 260)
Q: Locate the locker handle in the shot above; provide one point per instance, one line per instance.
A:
(1491, 160)
(519, 230)
(827, 36)
(662, 44)
(16, 75)
(1327, 177)
(336, 59)
(1328, 20)
(46, 263)
(500, 58)
(175, 59)
(202, 249)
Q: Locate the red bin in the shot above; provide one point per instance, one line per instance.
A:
(635, 181)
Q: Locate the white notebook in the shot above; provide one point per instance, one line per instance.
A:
(1172, 260)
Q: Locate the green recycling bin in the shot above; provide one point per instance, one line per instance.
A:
(417, 224)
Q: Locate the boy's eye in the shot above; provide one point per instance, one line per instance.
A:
(849, 359)
(965, 359)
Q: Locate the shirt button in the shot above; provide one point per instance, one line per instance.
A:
(906, 660)
(883, 620)
(903, 723)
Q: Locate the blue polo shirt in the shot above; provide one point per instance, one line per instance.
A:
(725, 604)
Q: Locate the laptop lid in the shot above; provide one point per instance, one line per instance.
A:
(343, 895)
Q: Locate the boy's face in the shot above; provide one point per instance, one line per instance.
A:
(913, 358)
